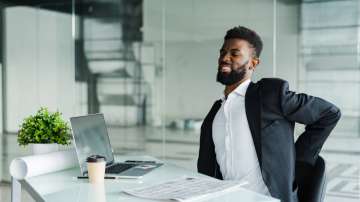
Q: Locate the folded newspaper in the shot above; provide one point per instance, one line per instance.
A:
(184, 189)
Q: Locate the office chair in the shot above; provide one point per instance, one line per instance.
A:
(314, 188)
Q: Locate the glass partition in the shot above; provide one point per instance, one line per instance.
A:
(150, 67)
(329, 68)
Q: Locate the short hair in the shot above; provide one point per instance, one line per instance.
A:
(248, 35)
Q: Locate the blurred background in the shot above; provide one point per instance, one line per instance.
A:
(150, 67)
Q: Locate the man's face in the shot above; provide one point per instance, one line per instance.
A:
(234, 62)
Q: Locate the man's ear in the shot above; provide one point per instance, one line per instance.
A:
(254, 62)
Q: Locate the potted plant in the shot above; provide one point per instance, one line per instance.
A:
(45, 131)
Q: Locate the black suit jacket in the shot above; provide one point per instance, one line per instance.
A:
(272, 111)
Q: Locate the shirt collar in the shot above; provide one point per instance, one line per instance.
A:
(240, 90)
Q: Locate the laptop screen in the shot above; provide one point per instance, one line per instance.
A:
(91, 137)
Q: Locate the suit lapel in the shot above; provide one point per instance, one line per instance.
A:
(252, 108)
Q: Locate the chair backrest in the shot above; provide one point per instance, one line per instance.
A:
(314, 189)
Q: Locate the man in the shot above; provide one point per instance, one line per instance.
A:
(248, 135)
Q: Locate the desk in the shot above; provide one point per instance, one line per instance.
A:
(64, 187)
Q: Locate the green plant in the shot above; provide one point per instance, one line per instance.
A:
(44, 127)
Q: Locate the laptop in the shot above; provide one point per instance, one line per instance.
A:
(91, 137)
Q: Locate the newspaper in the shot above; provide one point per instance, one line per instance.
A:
(184, 189)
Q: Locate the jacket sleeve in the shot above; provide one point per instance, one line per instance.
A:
(319, 116)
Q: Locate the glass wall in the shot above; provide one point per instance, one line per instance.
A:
(329, 68)
(192, 33)
(38, 68)
(150, 67)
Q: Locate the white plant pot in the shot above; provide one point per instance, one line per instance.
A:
(44, 148)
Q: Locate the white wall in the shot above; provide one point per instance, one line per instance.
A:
(194, 33)
(39, 52)
(330, 59)
(287, 46)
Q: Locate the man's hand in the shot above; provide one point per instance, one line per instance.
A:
(303, 172)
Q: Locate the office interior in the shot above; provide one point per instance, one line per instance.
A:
(150, 67)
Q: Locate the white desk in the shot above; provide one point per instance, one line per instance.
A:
(64, 187)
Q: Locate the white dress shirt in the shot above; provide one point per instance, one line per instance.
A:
(234, 146)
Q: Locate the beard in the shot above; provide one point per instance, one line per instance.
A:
(233, 77)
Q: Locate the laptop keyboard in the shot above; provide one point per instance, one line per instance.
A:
(119, 167)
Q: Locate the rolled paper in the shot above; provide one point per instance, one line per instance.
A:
(30, 166)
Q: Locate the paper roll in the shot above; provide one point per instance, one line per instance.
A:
(35, 165)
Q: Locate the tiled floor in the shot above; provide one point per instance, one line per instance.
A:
(343, 182)
(342, 157)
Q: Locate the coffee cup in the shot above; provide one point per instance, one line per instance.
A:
(96, 168)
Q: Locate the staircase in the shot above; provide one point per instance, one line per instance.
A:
(112, 50)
